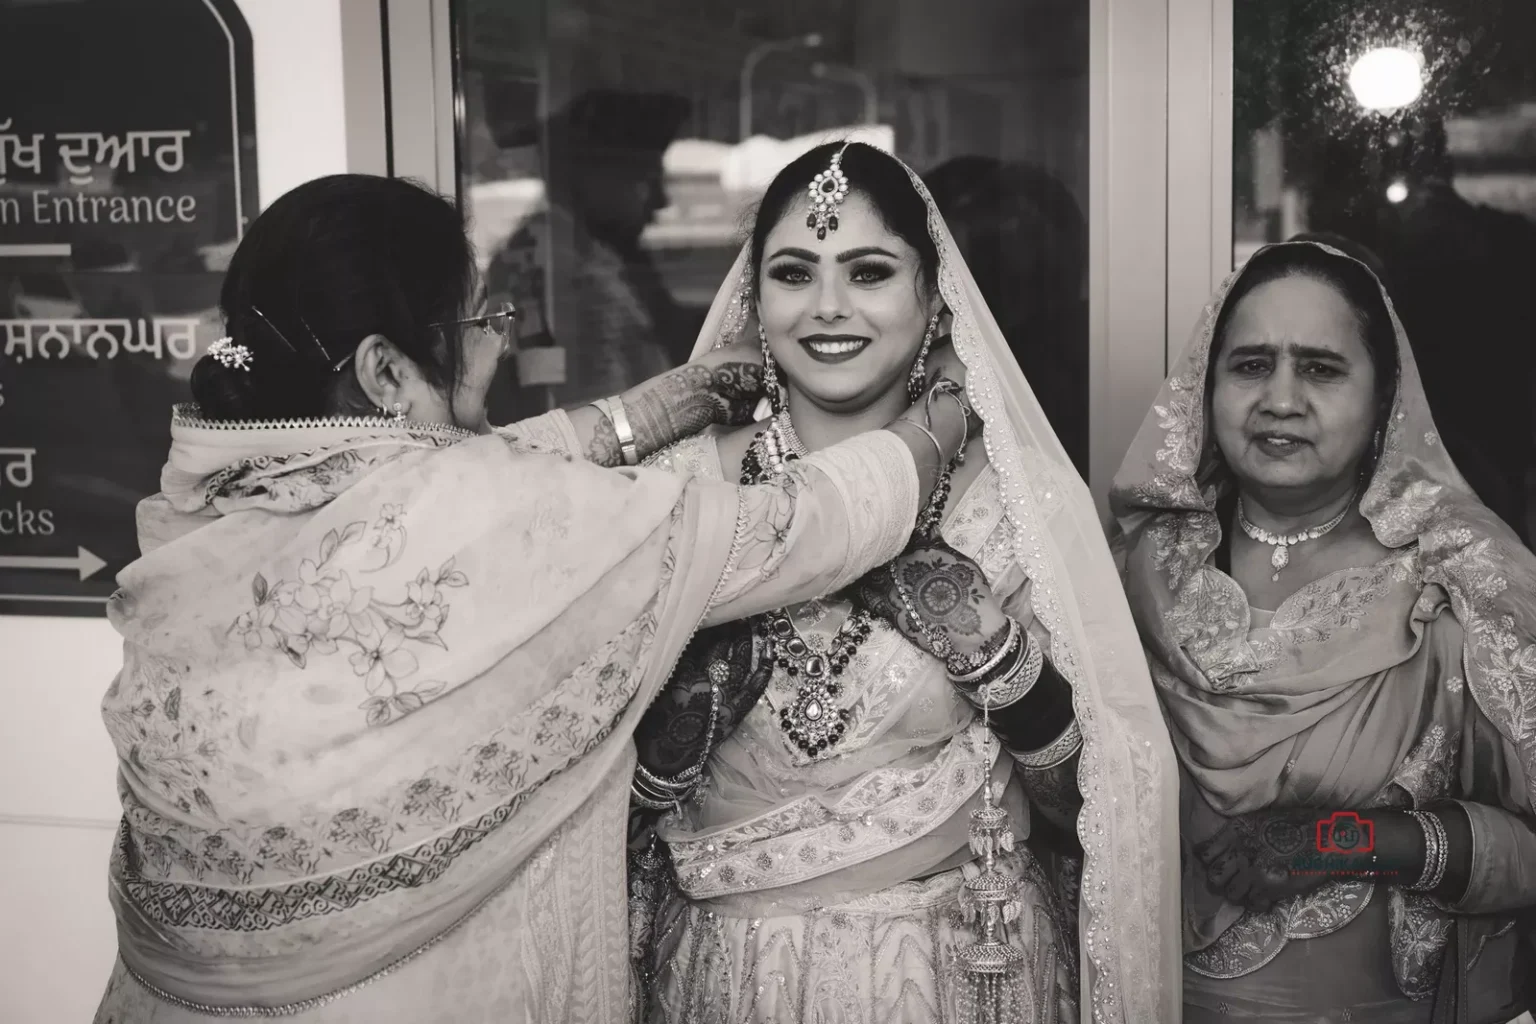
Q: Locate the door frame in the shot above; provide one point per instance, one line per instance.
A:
(1199, 161)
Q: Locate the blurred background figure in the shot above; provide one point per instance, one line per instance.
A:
(1026, 241)
(607, 304)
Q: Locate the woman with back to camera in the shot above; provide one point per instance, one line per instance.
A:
(842, 833)
(1344, 641)
(382, 665)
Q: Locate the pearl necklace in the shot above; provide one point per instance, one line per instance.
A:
(1281, 542)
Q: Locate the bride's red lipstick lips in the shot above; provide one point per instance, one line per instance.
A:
(848, 351)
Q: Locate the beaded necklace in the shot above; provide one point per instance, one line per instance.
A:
(813, 721)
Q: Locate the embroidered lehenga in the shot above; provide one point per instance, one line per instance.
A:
(823, 887)
(1401, 684)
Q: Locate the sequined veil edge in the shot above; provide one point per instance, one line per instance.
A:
(1128, 823)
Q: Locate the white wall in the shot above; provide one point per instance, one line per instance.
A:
(58, 804)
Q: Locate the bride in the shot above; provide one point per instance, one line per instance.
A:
(820, 860)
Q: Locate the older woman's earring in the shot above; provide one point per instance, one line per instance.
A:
(395, 413)
(919, 375)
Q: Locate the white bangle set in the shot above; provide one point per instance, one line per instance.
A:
(1437, 851)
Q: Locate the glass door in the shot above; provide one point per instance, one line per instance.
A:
(608, 155)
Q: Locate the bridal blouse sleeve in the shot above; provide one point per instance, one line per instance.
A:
(839, 513)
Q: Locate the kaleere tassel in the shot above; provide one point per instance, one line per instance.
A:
(988, 991)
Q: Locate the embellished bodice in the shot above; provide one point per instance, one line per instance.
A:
(913, 754)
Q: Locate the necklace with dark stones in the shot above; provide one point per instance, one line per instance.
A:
(814, 721)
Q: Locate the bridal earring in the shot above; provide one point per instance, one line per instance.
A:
(771, 385)
(395, 413)
(918, 377)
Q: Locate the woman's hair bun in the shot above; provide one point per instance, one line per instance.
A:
(333, 262)
(273, 383)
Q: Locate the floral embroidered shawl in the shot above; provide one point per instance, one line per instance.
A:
(368, 672)
(1225, 689)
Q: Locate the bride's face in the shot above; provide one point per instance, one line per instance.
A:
(844, 315)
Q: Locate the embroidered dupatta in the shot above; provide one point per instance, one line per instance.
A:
(1223, 686)
(369, 671)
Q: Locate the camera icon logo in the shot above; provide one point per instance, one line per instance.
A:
(1345, 832)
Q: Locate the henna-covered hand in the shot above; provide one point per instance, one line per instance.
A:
(673, 731)
(1261, 858)
(946, 591)
(680, 403)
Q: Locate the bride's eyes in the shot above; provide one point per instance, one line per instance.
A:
(789, 273)
(872, 272)
(867, 272)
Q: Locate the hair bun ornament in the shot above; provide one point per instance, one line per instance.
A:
(827, 191)
(230, 355)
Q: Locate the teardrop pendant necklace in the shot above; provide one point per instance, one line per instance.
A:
(1282, 542)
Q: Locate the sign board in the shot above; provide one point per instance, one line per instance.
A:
(127, 175)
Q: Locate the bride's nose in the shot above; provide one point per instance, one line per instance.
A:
(832, 304)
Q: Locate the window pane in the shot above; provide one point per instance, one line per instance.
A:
(1409, 127)
(604, 170)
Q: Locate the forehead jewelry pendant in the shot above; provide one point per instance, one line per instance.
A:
(827, 191)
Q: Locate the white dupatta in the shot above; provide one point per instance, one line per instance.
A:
(1129, 903)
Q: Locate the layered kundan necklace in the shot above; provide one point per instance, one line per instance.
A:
(814, 721)
(1282, 542)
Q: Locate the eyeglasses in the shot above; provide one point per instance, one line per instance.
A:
(498, 323)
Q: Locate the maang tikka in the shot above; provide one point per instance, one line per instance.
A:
(827, 191)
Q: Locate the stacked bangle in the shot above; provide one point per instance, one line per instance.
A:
(656, 793)
(1437, 849)
(967, 669)
(1055, 753)
(1013, 682)
(1005, 668)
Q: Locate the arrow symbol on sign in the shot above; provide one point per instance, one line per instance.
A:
(84, 562)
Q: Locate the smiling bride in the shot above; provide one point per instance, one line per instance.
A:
(847, 853)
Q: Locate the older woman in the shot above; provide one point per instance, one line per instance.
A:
(382, 665)
(1344, 640)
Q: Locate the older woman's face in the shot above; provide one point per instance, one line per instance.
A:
(1293, 405)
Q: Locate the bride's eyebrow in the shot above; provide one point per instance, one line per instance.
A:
(868, 250)
(799, 254)
(842, 257)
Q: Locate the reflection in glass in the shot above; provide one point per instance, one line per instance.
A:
(1409, 127)
(610, 155)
